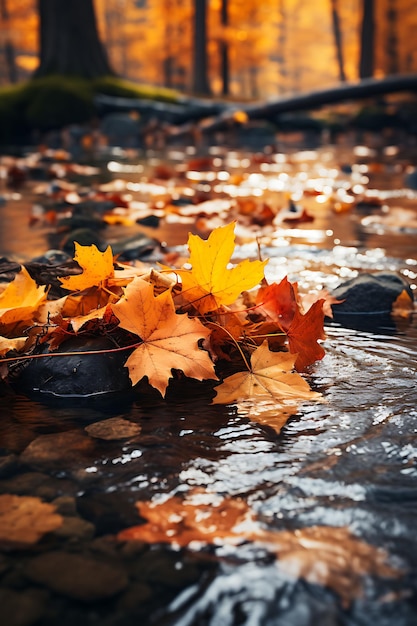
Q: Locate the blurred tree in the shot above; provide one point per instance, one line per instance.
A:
(69, 41)
(367, 39)
(224, 49)
(200, 82)
(392, 37)
(8, 45)
(337, 33)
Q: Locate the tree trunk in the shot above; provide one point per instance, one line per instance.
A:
(392, 38)
(337, 33)
(367, 54)
(69, 41)
(200, 70)
(9, 51)
(224, 50)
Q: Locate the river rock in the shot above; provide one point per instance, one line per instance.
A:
(77, 576)
(83, 375)
(59, 451)
(22, 608)
(369, 294)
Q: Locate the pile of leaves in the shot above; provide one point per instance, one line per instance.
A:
(191, 321)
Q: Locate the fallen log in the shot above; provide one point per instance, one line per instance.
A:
(271, 109)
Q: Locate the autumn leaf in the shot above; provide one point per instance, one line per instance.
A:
(303, 334)
(330, 557)
(169, 341)
(97, 267)
(201, 516)
(322, 555)
(307, 300)
(25, 519)
(19, 302)
(403, 306)
(210, 283)
(271, 375)
(278, 302)
(6, 345)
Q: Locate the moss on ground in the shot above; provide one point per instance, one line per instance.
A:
(52, 102)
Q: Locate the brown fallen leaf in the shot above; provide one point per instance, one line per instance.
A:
(25, 519)
(270, 375)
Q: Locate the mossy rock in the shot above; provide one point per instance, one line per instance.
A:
(53, 102)
(56, 103)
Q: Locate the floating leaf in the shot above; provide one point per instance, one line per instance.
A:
(271, 375)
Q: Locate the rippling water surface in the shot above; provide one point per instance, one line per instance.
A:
(347, 461)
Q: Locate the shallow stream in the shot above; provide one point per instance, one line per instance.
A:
(348, 462)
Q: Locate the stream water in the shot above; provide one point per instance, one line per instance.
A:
(348, 462)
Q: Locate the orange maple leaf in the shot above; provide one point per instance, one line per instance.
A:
(170, 341)
(210, 283)
(270, 375)
(303, 334)
(278, 302)
(97, 267)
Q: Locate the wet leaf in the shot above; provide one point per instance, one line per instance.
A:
(169, 341)
(303, 334)
(24, 520)
(403, 305)
(278, 302)
(19, 302)
(201, 516)
(271, 376)
(330, 557)
(97, 267)
(322, 555)
(210, 283)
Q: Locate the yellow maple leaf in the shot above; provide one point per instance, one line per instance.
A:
(19, 302)
(170, 341)
(210, 283)
(271, 375)
(97, 267)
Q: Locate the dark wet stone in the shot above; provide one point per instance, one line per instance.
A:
(8, 465)
(369, 293)
(65, 505)
(59, 450)
(23, 484)
(113, 428)
(109, 512)
(85, 375)
(134, 596)
(77, 576)
(135, 247)
(164, 567)
(22, 608)
(76, 529)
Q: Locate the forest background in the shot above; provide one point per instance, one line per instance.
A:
(253, 49)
